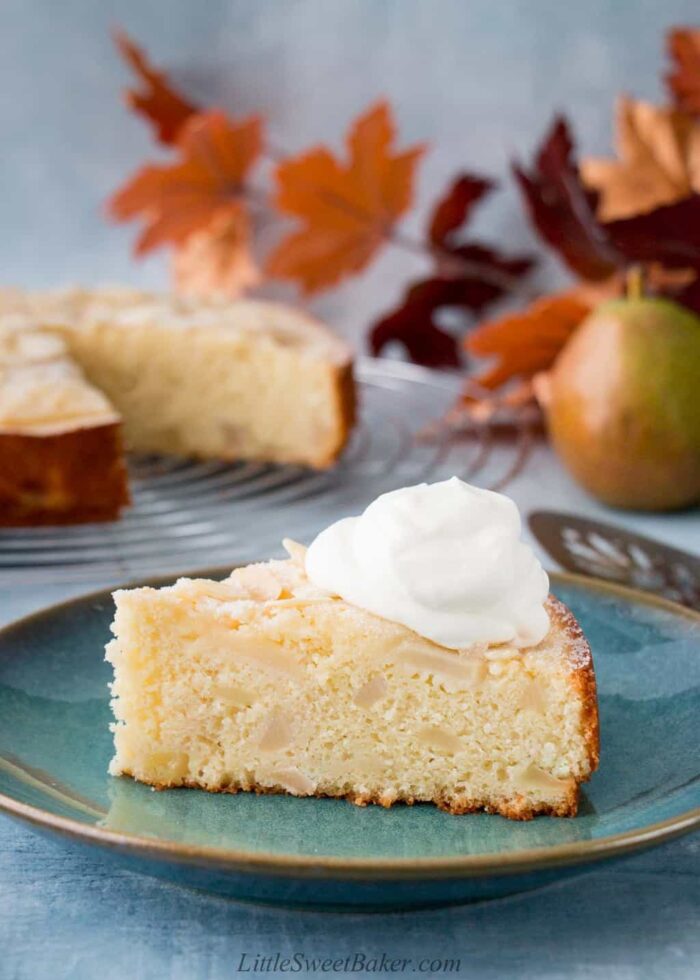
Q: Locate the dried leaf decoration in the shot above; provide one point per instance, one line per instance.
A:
(347, 209)
(216, 261)
(659, 161)
(524, 343)
(485, 273)
(669, 235)
(640, 208)
(521, 347)
(455, 208)
(562, 209)
(688, 295)
(157, 100)
(176, 201)
(415, 326)
(468, 277)
(684, 78)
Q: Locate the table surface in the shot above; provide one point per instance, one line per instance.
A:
(67, 914)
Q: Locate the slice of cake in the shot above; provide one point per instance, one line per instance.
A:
(271, 681)
(243, 380)
(61, 458)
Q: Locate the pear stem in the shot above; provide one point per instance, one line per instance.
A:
(635, 282)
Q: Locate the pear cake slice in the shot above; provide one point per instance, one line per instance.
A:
(247, 379)
(61, 456)
(240, 380)
(265, 682)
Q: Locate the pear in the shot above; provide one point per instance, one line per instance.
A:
(623, 404)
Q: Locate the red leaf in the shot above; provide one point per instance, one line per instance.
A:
(563, 212)
(468, 277)
(499, 271)
(489, 273)
(561, 208)
(454, 209)
(413, 324)
(670, 235)
(690, 297)
(157, 100)
(684, 78)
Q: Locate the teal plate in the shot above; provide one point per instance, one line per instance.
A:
(55, 746)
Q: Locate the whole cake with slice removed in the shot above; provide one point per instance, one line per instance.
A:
(61, 454)
(411, 654)
(247, 380)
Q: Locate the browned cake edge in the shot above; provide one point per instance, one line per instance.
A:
(72, 477)
(344, 410)
(582, 677)
(515, 808)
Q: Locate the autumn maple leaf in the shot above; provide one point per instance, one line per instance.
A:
(524, 343)
(157, 100)
(658, 161)
(414, 323)
(485, 272)
(216, 261)
(668, 235)
(454, 209)
(347, 209)
(562, 209)
(684, 78)
(469, 275)
(179, 199)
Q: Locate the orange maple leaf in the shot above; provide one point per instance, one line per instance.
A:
(684, 77)
(347, 208)
(216, 261)
(658, 161)
(157, 100)
(177, 200)
(527, 342)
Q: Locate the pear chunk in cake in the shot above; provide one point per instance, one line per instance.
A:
(270, 682)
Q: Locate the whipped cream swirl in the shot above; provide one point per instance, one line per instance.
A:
(444, 559)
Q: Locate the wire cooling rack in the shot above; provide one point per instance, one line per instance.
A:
(188, 514)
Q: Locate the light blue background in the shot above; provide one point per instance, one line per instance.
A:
(478, 78)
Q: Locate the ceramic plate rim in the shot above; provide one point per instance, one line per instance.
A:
(265, 862)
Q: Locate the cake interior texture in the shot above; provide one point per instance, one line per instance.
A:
(263, 682)
(240, 380)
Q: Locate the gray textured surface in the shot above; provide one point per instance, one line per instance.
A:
(478, 77)
(72, 917)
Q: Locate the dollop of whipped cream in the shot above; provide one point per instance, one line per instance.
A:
(444, 559)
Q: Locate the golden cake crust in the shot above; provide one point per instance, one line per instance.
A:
(58, 354)
(70, 477)
(346, 412)
(582, 677)
(515, 809)
(61, 455)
